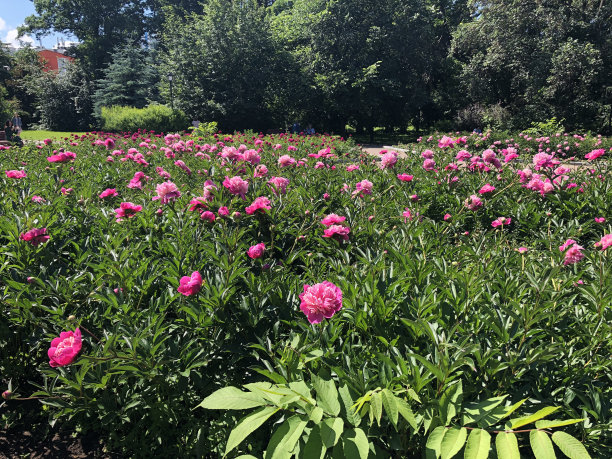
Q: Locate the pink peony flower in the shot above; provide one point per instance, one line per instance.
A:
(338, 232)
(320, 301)
(543, 160)
(35, 236)
(605, 242)
(573, 255)
(262, 203)
(127, 210)
(388, 160)
(16, 174)
(236, 186)
(190, 285)
(224, 211)
(362, 188)
(429, 165)
(208, 216)
(332, 219)
(352, 167)
(183, 166)
(166, 192)
(278, 184)
(198, 204)
(600, 220)
(66, 191)
(209, 187)
(256, 251)
(286, 161)
(473, 203)
(108, 193)
(463, 155)
(488, 188)
(595, 154)
(260, 171)
(522, 250)
(501, 221)
(447, 217)
(65, 348)
(405, 177)
(62, 157)
(566, 244)
(446, 142)
(427, 154)
(38, 199)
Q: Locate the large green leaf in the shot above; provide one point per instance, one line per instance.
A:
(404, 409)
(347, 402)
(476, 411)
(478, 445)
(355, 444)
(314, 448)
(248, 425)
(507, 446)
(434, 442)
(452, 442)
(232, 398)
(519, 422)
(327, 395)
(331, 430)
(450, 402)
(390, 404)
(541, 445)
(570, 446)
(285, 437)
(376, 406)
(544, 424)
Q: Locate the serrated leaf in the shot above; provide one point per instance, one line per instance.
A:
(376, 406)
(570, 446)
(285, 437)
(248, 425)
(327, 395)
(541, 445)
(355, 444)
(519, 422)
(331, 430)
(478, 445)
(390, 405)
(434, 443)
(232, 398)
(452, 442)
(507, 446)
(544, 424)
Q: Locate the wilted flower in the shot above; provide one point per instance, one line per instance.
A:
(320, 301)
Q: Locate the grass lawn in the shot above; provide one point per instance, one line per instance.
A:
(42, 135)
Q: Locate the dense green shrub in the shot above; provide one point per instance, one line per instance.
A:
(157, 118)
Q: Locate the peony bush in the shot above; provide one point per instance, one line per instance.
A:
(451, 299)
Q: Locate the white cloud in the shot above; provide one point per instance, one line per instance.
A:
(11, 39)
(2, 24)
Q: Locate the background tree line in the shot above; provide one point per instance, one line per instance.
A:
(449, 64)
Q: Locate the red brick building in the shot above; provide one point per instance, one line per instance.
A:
(54, 61)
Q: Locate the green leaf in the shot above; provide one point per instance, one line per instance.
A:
(570, 446)
(285, 438)
(316, 414)
(453, 441)
(541, 445)
(376, 406)
(434, 443)
(347, 402)
(390, 404)
(355, 444)
(476, 411)
(514, 407)
(507, 446)
(404, 409)
(314, 448)
(247, 425)
(245, 456)
(430, 366)
(331, 430)
(478, 445)
(519, 422)
(231, 398)
(450, 402)
(544, 424)
(327, 395)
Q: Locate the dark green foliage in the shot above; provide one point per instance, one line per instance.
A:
(130, 79)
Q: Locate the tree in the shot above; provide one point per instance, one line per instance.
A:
(223, 62)
(130, 79)
(64, 100)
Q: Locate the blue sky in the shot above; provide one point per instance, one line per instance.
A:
(12, 15)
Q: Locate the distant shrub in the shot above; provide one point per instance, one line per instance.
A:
(152, 118)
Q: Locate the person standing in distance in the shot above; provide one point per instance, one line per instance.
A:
(17, 124)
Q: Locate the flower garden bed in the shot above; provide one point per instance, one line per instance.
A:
(246, 293)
